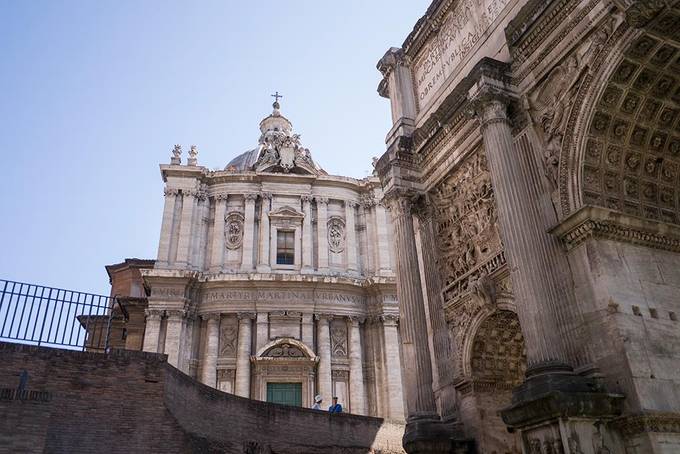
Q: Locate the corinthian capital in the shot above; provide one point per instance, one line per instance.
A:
(492, 93)
(393, 57)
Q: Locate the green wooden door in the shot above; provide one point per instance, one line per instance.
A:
(285, 393)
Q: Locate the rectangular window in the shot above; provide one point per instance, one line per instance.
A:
(285, 247)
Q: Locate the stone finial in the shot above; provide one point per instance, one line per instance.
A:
(176, 155)
(193, 153)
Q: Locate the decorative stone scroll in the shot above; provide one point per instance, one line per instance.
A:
(233, 230)
(284, 351)
(336, 234)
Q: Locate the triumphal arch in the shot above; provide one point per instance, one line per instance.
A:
(532, 177)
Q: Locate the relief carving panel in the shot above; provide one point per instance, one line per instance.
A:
(339, 338)
(233, 230)
(228, 336)
(465, 219)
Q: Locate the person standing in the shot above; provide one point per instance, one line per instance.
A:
(336, 407)
(317, 403)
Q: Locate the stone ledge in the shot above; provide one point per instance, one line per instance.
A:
(51, 352)
(597, 222)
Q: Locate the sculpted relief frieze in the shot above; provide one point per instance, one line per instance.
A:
(466, 219)
(461, 29)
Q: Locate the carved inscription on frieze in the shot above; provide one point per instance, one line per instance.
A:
(466, 219)
(227, 295)
(463, 27)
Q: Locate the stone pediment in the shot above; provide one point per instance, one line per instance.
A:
(286, 212)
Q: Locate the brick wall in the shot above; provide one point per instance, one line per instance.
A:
(129, 401)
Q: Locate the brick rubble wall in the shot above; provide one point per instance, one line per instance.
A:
(128, 401)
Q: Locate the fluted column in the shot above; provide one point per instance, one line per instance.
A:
(393, 364)
(212, 335)
(323, 350)
(217, 258)
(248, 232)
(166, 226)
(263, 265)
(384, 266)
(356, 369)
(351, 235)
(416, 364)
(173, 336)
(152, 330)
(439, 336)
(533, 255)
(307, 264)
(245, 339)
(185, 230)
(322, 229)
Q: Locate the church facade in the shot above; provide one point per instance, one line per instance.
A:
(532, 176)
(274, 280)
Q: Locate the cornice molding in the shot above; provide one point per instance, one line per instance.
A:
(597, 222)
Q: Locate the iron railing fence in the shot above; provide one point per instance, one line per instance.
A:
(53, 317)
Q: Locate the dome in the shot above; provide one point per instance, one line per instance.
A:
(244, 161)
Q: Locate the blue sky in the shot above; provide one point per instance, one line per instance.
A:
(95, 94)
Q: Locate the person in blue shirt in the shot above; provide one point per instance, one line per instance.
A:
(336, 407)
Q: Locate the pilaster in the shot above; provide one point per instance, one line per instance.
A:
(217, 257)
(323, 338)
(263, 265)
(322, 232)
(248, 232)
(393, 363)
(209, 366)
(261, 330)
(245, 339)
(307, 265)
(166, 227)
(185, 228)
(356, 369)
(152, 330)
(351, 236)
(173, 336)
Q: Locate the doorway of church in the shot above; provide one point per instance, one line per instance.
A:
(285, 393)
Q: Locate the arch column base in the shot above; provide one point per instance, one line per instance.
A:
(428, 434)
